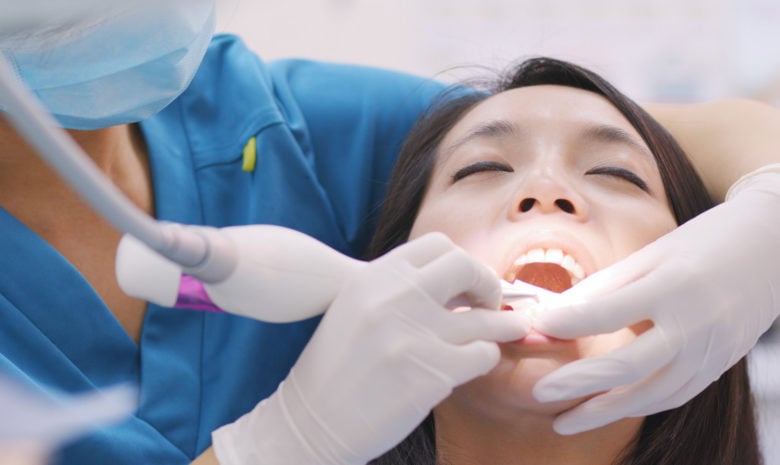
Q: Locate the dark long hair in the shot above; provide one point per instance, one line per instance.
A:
(717, 427)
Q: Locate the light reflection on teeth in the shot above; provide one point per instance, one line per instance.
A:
(556, 256)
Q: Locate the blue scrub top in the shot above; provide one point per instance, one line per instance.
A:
(327, 137)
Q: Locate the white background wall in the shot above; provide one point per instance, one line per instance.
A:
(662, 50)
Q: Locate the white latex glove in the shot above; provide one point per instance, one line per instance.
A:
(711, 287)
(386, 352)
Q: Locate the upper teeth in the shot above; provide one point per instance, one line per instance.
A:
(556, 256)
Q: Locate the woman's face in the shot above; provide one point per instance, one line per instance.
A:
(546, 184)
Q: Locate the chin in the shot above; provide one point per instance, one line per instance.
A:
(506, 391)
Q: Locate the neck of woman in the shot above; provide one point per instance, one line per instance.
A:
(527, 438)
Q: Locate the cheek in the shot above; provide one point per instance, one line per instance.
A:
(656, 225)
(461, 225)
(431, 217)
(631, 232)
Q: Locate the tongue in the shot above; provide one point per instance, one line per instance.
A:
(547, 275)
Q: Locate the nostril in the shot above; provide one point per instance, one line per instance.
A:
(526, 205)
(565, 205)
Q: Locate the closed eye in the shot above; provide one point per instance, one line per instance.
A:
(620, 173)
(481, 167)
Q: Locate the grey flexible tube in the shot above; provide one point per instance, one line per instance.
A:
(55, 146)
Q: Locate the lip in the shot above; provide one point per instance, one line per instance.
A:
(536, 341)
(535, 338)
(550, 238)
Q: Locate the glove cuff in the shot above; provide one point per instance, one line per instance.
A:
(315, 434)
(765, 178)
(262, 436)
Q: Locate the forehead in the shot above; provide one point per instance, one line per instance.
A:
(559, 107)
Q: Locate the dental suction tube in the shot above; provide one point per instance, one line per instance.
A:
(265, 272)
(204, 252)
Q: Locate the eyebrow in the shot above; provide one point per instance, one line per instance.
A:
(500, 129)
(496, 129)
(615, 135)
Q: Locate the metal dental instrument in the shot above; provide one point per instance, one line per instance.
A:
(519, 290)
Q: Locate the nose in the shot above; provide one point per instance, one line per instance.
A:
(543, 193)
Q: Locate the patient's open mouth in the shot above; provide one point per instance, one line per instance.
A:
(551, 269)
(546, 275)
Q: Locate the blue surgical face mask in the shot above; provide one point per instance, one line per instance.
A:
(117, 69)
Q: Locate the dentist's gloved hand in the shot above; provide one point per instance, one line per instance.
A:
(711, 287)
(387, 351)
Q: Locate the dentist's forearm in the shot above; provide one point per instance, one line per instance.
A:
(724, 139)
